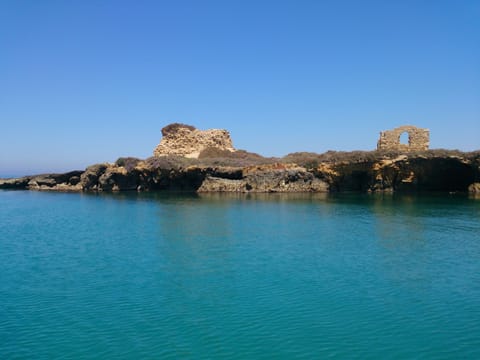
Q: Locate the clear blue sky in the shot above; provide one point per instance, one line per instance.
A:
(83, 82)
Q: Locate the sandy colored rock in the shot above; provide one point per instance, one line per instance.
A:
(474, 188)
(418, 139)
(267, 178)
(187, 141)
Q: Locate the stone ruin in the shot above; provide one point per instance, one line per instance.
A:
(418, 139)
(186, 140)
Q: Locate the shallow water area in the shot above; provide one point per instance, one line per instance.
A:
(263, 276)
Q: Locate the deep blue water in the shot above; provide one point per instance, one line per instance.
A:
(238, 277)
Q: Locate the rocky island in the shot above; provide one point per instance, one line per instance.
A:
(188, 159)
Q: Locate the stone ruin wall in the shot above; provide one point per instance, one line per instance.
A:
(418, 139)
(186, 140)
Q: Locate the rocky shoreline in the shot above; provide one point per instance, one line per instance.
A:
(374, 171)
(188, 159)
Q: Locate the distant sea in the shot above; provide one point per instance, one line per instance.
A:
(10, 175)
(185, 276)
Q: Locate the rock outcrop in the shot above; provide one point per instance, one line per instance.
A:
(188, 159)
(267, 178)
(185, 140)
(69, 181)
(403, 173)
(440, 171)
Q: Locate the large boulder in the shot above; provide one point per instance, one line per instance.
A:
(89, 178)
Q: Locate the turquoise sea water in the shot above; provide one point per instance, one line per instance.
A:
(238, 277)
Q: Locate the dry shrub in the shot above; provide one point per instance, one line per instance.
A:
(240, 158)
(213, 157)
(174, 127)
(128, 163)
(311, 160)
(168, 162)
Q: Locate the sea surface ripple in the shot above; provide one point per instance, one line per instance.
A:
(239, 276)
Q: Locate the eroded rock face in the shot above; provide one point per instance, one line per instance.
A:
(403, 174)
(267, 178)
(57, 182)
(185, 140)
(372, 172)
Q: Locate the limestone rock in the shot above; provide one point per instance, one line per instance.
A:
(117, 178)
(89, 178)
(418, 139)
(187, 141)
(56, 182)
(15, 183)
(434, 170)
(61, 182)
(474, 188)
(267, 178)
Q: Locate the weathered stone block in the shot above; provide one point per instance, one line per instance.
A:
(186, 140)
(418, 139)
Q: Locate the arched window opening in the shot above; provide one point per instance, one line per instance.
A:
(404, 138)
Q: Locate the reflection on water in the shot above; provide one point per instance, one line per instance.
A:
(270, 197)
(165, 275)
(397, 220)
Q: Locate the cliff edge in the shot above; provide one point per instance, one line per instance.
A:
(432, 170)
